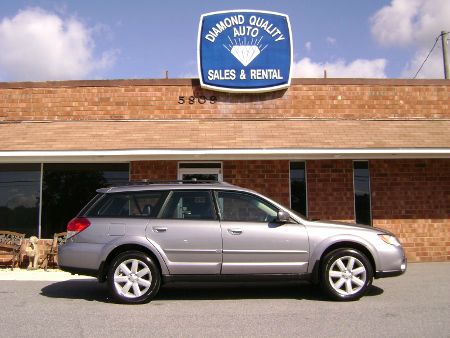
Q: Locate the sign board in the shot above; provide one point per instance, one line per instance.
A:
(244, 51)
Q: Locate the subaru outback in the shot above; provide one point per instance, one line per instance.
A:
(138, 237)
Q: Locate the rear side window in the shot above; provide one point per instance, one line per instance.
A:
(90, 204)
(189, 205)
(130, 204)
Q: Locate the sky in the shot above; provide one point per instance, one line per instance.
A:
(45, 40)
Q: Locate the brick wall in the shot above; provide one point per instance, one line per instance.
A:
(153, 170)
(330, 190)
(411, 198)
(158, 99)
(270, 178)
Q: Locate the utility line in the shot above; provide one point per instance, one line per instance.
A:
(429, 53)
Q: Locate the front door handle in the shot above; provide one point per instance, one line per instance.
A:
(159, 229)
(235, 231)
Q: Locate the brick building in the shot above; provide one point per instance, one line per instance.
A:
(374, 151)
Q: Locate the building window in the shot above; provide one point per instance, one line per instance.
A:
(201, 171)
(19, 197)
(361, 185)
(68, 187)
(298, 187)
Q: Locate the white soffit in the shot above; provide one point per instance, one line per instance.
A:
(218, 154)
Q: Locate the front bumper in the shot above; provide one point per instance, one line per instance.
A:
(392, 273)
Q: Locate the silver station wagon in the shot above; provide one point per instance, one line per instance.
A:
(137, 237)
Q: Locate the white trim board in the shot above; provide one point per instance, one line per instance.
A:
(218, 154)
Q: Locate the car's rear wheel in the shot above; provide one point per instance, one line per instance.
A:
(133, 278)
(346, 274)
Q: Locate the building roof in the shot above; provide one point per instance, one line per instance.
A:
(125, 120)
(128, 140)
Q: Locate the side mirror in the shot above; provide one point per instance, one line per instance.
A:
(283, 216)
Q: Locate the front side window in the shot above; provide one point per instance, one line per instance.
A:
(189, 205)
(241, 207)
(130, 204)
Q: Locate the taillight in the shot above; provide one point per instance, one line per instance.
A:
(77, 225)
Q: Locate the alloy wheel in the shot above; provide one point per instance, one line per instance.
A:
(347, 275)
(132, 278)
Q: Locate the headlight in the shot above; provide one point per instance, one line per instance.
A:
(389, 239)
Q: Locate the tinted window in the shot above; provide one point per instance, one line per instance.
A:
(189, 205)
(196, 165)
(19, 197)
(245, 208)
(361, 182)
(67, 187)
(131, 204)
(298, 187)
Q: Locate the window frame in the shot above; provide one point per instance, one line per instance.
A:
(217, 169)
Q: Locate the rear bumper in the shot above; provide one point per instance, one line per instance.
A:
(392, 273)
(79, 271)
(75, 256)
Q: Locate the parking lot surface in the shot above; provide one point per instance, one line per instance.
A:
(416, 304)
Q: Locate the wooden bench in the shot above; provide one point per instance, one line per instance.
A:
(10, 244)
(58, 239)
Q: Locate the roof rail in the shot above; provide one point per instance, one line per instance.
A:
(148, 182)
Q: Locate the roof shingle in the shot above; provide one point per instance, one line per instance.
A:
(88, 135)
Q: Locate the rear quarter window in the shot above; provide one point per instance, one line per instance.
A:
(129, 204)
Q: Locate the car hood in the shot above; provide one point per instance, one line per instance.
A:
(346, 225)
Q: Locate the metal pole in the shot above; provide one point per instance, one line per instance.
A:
(41, 182)
(444, 37)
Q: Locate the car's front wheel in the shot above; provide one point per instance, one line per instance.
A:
(346, 274)
(133, 277)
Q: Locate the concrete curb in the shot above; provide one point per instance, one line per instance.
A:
(51, 275)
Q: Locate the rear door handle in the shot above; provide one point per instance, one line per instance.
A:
(159, 229)
(235, 231)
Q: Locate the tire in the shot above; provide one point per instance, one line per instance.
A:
(346, 274)
(133, 278)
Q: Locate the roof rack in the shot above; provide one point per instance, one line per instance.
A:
(148, 182)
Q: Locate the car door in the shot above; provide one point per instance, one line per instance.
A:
(187, 232)
(253, 242)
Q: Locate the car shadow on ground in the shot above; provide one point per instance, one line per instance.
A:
(92, 291)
